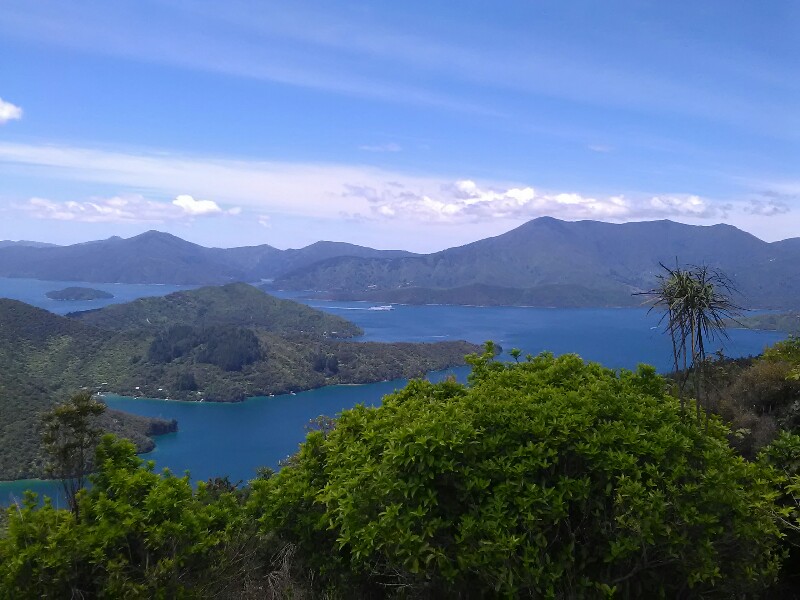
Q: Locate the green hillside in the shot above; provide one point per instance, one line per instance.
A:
(211, 344)
(236, 304)
(43, 359)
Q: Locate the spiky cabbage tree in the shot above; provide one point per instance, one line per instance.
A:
(697, 303)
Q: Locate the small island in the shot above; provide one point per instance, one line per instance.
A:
(78, 293)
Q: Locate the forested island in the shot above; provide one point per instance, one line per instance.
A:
(215, 344)
(78, 293)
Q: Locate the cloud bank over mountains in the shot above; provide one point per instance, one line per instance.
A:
(322, 190)
(465, 200)
(120, 209)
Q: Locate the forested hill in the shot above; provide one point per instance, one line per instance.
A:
(212, 344)
(43, 359)
(156, 257)
(235, 304)
(558, 263)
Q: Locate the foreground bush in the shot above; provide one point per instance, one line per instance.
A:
(549, 478)
(135, 534)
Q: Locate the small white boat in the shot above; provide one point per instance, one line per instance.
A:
(385, 307)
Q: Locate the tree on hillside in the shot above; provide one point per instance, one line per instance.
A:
(697, 303)
(70, 436)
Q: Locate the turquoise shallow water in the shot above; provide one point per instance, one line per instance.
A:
(234, 439)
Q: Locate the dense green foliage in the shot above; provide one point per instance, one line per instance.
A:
(548, 477)
(136, 534)
(229, 348)
(545, 477)
(783, 454)
(71, 431)
(78, 293)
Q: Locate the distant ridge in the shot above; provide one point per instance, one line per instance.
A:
(544, 262)
(157, 257)
(27, 243)
(548, 262)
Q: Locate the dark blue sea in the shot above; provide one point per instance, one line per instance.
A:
(233, 439)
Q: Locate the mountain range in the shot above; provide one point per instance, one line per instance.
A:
(12, 243)
(544, 262)
(547, 262)
(156, 257)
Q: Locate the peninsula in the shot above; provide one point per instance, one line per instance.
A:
(217, 344)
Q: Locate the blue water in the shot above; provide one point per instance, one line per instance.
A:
(234, 439)
(615, 337)
(32, 291)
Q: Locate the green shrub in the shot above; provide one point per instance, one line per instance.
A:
(136, 534)
(549, 478)
(783, 454)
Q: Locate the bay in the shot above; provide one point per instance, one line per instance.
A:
(32, 291)
(234, 439)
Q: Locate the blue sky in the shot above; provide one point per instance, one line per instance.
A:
(417, 125)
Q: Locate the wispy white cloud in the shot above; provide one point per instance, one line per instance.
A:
(320, 191)
(465, 201)
(9, 112)
(390, 147)
(121, 209)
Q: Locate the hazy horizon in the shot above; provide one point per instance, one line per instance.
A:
(346, 241)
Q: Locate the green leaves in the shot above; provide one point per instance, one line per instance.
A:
(549, 477)
(546, 478)
(697, 303)
(68, 442)
(137, 534)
